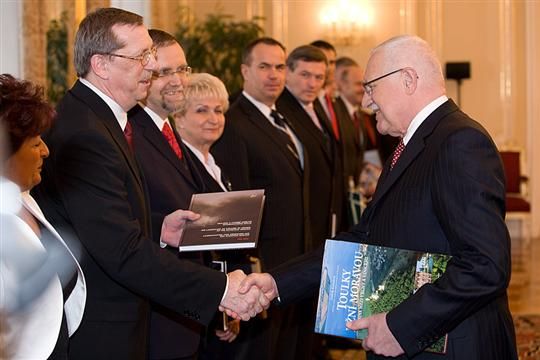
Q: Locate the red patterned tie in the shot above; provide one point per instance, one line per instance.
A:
(171, 139)
(397, 153)
(128, 133)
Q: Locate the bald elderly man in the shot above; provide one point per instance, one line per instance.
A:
(442, 191)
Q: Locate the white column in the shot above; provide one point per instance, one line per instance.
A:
(532, 41)
(280, 21)
(11, 55)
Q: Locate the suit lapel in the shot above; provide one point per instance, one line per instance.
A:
(290, 105)
(106, 116)
(259, 120)
(155, 138)
(75, 303)
(414, 147)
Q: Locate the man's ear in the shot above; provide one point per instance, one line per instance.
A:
(100, 65)
(244, 69)
(410, 80)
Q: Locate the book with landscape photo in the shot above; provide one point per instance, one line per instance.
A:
(359, 280)
(229, 220)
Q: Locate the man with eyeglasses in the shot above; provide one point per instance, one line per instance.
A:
(171, 179)
(442, 192)
(93, 191)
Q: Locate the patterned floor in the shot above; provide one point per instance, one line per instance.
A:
(524, 296)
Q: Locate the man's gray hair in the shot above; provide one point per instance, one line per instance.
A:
(95, 35)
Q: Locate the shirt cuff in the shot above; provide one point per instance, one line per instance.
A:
(226, 288)
(162, 244)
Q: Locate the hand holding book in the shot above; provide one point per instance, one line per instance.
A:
(380, 339)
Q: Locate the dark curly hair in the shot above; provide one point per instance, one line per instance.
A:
(24, 112)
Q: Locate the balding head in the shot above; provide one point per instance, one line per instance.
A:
(403, 75)
(412, 51)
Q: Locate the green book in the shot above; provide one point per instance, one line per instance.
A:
(359, 280)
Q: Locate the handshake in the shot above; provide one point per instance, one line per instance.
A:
(246, 296)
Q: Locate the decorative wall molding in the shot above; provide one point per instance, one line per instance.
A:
(532, 59)
(11, 37)
(433, 17)
(506, 75)
(407, 17)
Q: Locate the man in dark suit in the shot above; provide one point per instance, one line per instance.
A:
(306, 71)
(260, 150)
(442, 191)
(171, 177)
(93, 190)
(375, 147)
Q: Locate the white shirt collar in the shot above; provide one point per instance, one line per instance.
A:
(350, 107)
(210, 164)
(119, 113)
(265, 109)
(156, 118)
(421, 116)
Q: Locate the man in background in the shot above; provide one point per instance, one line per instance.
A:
(306, 71)
(442, 192)
(327, 94)
(171, 179)
(374, 148)
(93, 190)
(259, 149)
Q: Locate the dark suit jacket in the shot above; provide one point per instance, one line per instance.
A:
(351, 151)
(93, 189)
(446, 195)
(354, 145)
(170, 182)
(253, 154)
(325, 184)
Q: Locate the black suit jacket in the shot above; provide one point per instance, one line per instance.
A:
(93, 190)
(351, 151)
(325, 185)
(253, 154)
(170, 182)
(445, 194)
(354, 145)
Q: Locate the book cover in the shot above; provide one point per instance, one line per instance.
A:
(229, 220)
(359, 280)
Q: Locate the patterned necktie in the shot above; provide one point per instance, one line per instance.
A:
(397, 153)
(333, 117)
(128, 133)
(171, 139)
(280, 122)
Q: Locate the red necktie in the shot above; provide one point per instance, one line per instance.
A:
(128, 133)
(397, 153)
(171, 139)
(333, 117)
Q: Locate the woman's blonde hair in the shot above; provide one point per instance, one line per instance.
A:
(200, 86)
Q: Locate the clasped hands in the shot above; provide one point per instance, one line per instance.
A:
(248, 295)
(245, 296)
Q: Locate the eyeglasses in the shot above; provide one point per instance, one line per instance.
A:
(144, 58)
(369, 88)
(183, 71)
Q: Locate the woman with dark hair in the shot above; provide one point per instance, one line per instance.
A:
(42, 303)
